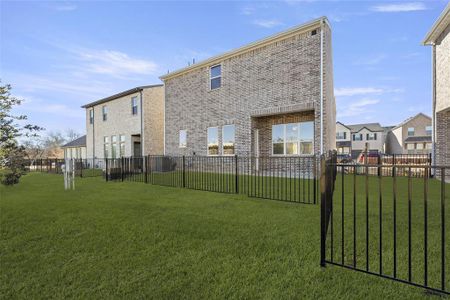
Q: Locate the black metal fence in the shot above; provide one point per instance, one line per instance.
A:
(395, 227)
(83, 167)
(280, 178)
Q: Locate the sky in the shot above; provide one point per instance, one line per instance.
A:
(60, 55)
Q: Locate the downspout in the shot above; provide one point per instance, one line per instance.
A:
(164, 119)
(142, 125)
(93, 132)
(433, 114)
(321, 87)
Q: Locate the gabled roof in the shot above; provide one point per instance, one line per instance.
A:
(79, 142)
(409, 119)
(121, 94)
(439, 26)
(374, 127)
(252, 46)
(343, 125)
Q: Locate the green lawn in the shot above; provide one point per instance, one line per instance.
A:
(134, 240)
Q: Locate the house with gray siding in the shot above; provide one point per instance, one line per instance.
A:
(130, 123)
(439, 39)
(273, 97)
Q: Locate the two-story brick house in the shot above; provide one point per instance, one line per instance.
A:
(271, 97)
(130, 123)
(412, 136)
(439, 39)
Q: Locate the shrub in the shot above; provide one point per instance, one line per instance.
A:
(10, 178)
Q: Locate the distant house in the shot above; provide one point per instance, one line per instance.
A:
(130, 123)
(439, 39)
(76, 148)
(354, 139)
(412, 136)
(273, 97)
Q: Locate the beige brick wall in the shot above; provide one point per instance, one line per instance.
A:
(443, 71)
(153, 120)
(278, 78)
(443, 138)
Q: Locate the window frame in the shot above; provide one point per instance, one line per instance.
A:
(91, 116)
(134, 113)
(207, 141)
(360, 137)
(121, 142)
(429, 132)
(215, 77)
(104, 113)
(298, 141)
(179, 138)
(413, 131)
(369, 136)
(341, 137)
(114, 146)
(106, 148)
(234, 139)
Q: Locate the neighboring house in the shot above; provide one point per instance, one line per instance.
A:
(343, 139)
(412, 136)
(76, 148)
(439, 39)
(130, 123)
(370, 136)
(271, 97)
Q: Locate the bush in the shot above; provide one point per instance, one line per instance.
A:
(10, 178)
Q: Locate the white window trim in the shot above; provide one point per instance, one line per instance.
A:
(298, 142)
(211, 78)
(234, 143)
(124, 144)
(207, 141)
(179, 138)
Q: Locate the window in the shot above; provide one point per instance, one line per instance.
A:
(371, 137)
(429, 130)
(293, 139)
(106, 146)
(419, 146)
(105, 113)
(228, 138)
(213, 141)
(183, 139)
(341, 135)
(411, 131)
(428, 146)
(357, 137)
(91, 116)
(122, 145)
(215, 76)
(134, 105)
(114, 146)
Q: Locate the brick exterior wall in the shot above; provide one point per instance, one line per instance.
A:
(121, 121)
(442, 146)
(279, 78)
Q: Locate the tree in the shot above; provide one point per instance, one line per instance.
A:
(12, 127)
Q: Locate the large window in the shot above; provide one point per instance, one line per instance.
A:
(411, 131)
(228, 139)
(371, 136)
(134, 105)
(357, 137)
(215, 76)
(91, 116)
(183, 139)
(293, 139)
(341, 135)
(429, 130)
(106, 146)
(114, 146)
(122, 145)
(105, 113)
(213, 141)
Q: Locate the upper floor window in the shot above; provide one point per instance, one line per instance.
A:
(293, 138)
(91, 116)
(134, 105)
(341, 135)
(411, 131)
(215, 77)
(228, 139)
(429, 130)
(357, 137)
(183, 138)
(105, 113)
(213, 141)
(371, 136)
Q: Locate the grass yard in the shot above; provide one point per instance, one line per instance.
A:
(133, 240)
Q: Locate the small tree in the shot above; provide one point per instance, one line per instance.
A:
(11, 129)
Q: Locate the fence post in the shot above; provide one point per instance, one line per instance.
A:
(121, 167)
(145, 164)
(81, 168)
(236, 175)
(106, 169)
(184, 171)
(315, 179)
(379, 164)
(323, 208)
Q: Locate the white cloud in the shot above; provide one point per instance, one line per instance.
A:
(399, 7)
(339, 92)
(267, 23)
(357, 108)
(115, 63)
(370, 61)
(64, 6)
